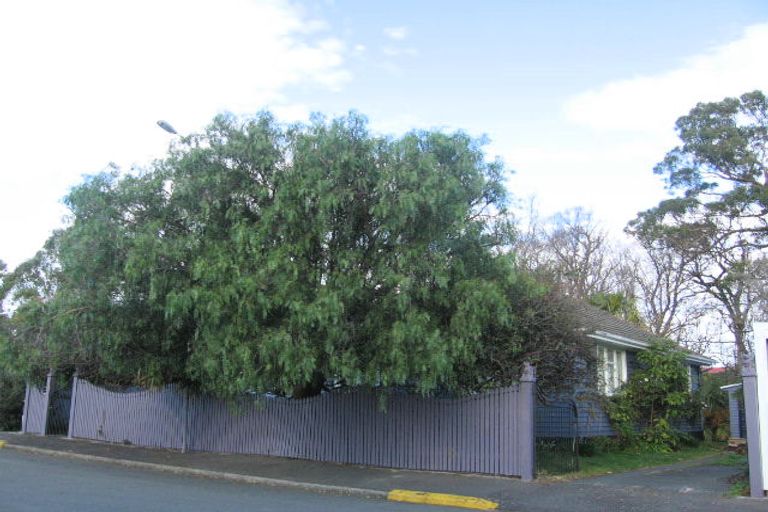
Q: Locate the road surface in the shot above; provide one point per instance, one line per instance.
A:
(34, 483)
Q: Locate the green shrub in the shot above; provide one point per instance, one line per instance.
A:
(655, 396)
(715, 401)
(11, 403)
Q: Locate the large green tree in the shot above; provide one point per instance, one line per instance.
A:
(717, 222)
(720, 170)
(11, 385)
(263, 257)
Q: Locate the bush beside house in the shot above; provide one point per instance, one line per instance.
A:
(644, 410)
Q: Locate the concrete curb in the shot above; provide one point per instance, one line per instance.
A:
(233, 477)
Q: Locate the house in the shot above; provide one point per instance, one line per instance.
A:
(617, 343)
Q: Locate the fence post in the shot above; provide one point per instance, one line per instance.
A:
(25, 411)
(526, 436)
(49, 383)
(749, 376)
(73, 400)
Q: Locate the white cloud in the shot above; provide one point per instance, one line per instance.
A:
(396, 33)
(615, 180)
(290, 112)
(650, 103)
(391, 51)
(85, 80)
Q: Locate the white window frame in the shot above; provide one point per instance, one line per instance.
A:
(612, 364)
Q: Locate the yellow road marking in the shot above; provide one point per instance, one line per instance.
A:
(447, 500)
(2, 443)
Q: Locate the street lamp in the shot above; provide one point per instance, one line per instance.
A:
(167, 127)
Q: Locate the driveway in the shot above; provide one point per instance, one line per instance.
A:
(698, 485)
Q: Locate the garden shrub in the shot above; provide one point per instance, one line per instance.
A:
(643, 411)
(715, 402)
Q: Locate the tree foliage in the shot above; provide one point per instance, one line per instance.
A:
(11, 386)
(718, 223)
(258, 257)
(721, 170)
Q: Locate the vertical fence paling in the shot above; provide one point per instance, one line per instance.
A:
(49, 382)
(72, 406)
(36, 407)
(26, 410)
(489, 433)
(35, 411)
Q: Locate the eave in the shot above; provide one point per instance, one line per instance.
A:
(621, 341)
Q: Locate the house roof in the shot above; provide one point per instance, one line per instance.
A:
(595, 319)
(607, 328)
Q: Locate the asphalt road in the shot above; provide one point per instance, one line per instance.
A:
(33, 483)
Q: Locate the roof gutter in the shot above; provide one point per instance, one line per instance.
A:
(621, 341)
(617, 340)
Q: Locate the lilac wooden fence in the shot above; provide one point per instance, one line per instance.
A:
(35, 411)
(489, 433)
(153, 418)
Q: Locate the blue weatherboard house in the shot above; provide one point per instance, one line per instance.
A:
(617, 343)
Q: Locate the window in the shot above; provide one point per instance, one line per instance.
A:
(613, 368)
(694, 377)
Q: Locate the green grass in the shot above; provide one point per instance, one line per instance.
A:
(739, 487)
(733, 459)
(740, 482)
(618, 461)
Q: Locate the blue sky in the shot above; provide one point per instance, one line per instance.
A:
(579, 98)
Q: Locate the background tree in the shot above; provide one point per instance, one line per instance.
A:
(11, 386)
(671, 304)
(577, 254)
(719, 223)
(579, 260)
(257, 257)
(758, 282)
(647, 284)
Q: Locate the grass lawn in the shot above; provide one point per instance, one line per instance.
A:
(607, 462)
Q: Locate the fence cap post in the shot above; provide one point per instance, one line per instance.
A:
(529, 373)
(748, 367)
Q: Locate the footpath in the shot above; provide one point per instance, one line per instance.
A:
(695, 485)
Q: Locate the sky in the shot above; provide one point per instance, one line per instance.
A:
(579, 98)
